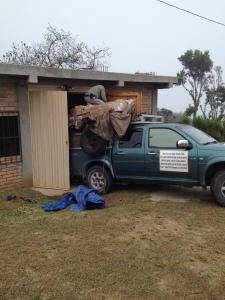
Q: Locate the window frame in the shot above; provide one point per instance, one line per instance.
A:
(138, 142)
(13, 137)
(166, 146)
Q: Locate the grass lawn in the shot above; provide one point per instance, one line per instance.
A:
(136, 248)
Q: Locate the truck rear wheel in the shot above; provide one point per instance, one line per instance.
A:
(218, 187)
(100, 178)
(92, 143)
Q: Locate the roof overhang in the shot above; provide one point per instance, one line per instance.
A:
(32, 74)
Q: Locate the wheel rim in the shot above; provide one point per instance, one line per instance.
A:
(223, 189)
(91, 140)
(97, 181)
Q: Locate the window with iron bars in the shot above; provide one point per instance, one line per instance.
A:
(10, 135)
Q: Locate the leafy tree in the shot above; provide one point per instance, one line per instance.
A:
(195, 72)
(189, 111)
(59, 50)
(215, 95)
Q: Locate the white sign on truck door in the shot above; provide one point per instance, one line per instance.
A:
(173, 161)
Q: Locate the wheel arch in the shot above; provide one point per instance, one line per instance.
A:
(100, 163)
(211, 168)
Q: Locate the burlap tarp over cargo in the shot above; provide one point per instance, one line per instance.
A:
(112, 125)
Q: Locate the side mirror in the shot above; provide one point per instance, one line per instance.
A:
(184, 144)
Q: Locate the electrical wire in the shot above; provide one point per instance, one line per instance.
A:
(191, 13)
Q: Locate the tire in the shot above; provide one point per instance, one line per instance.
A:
(218, 187)
(100, 178)
(92, 143)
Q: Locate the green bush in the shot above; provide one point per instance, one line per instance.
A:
(185, 120)
(212, 127)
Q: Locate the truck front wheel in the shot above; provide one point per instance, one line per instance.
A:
(218, 187)
(100, 178)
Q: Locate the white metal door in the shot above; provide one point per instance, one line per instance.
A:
(49, 139)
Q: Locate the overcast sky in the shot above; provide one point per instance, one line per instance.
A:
(143, 35)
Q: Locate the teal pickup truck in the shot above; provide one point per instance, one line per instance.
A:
(154, 153)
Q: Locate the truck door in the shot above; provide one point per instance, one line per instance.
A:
(128, 155)
(164, 161)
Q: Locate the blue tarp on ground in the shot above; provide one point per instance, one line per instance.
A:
(87, 199)
(60, 204)
(81, 199)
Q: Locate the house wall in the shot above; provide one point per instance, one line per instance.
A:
(147, 95)
(148, 90)
(23, 101)
(10, 167)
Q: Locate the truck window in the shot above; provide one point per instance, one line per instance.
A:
(132, 139)
(163, 138)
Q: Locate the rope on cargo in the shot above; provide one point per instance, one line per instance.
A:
(104, 167)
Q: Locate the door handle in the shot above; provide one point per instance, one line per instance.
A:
(120, 153)
(151, 153)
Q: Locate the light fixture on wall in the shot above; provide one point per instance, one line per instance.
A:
(66, 87)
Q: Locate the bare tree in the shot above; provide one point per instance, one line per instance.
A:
(215, 95)
(59, 50)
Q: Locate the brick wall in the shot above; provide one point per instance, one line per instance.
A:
(8, 97)
(10, 167)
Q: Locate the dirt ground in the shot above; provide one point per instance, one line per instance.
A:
(157, 192)
(180, 193)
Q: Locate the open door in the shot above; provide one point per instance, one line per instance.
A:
(137, 97)
(49, 139)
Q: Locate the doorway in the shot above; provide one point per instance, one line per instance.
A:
(74, 100)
